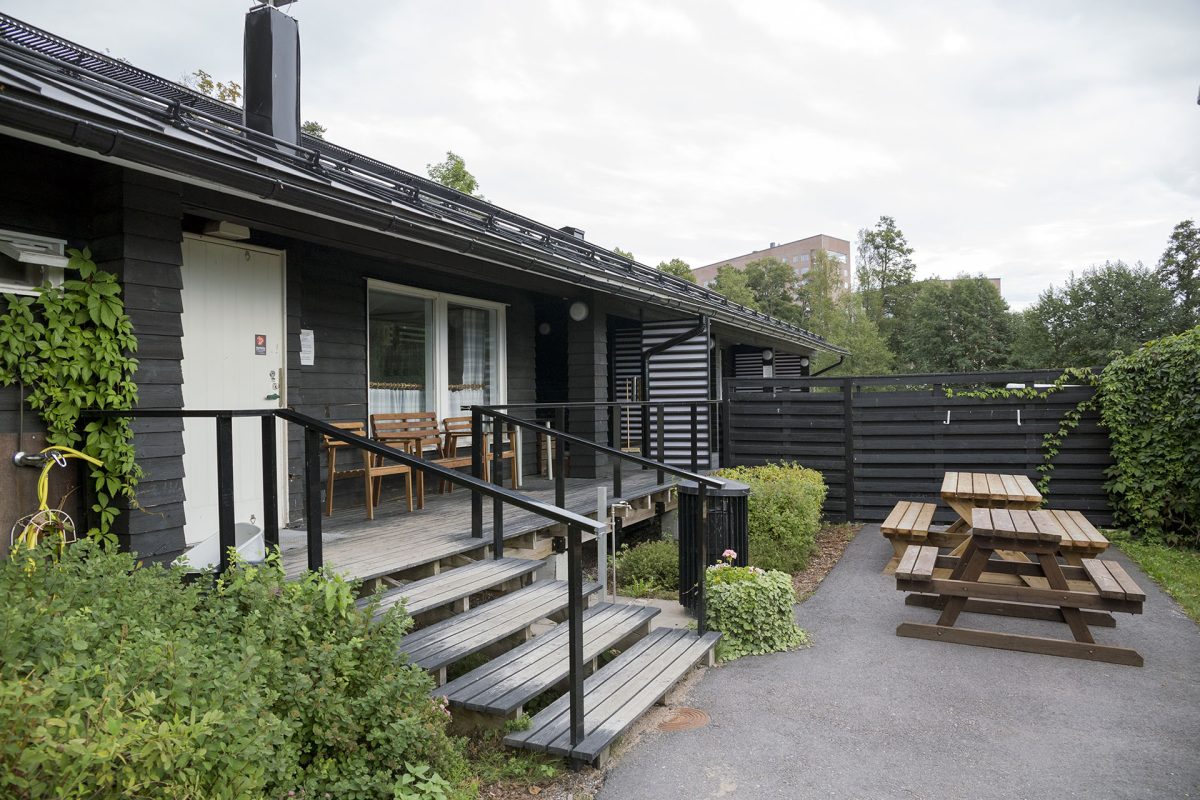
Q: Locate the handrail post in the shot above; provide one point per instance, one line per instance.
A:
(695, 437)
(226, 535)
(662, 441)
(560, 455)
(575, 629)
(476, 470)
(270, 483)
(312, 497)
(498, 479)
(615, 461)
(702, 555)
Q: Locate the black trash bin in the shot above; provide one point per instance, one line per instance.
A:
(728, 529)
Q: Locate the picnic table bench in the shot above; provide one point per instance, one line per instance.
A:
(1076, 595)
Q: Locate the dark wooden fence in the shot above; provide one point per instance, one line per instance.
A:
(882, 439)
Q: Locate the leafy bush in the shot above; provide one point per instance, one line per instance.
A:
(753, 609)
(650, 564)
(118, 680)
(1150, 403)
(785, 513)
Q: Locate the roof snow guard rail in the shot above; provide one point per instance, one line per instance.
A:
(220, 125)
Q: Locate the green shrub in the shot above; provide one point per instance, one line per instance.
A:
(785, 513)
(1150, 403)
(754, 610)
(118, 680)
(650, 565)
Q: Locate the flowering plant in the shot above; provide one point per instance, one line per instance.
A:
(753, 609)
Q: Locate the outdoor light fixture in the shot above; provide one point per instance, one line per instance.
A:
(544, 328)
(804, 361)
(768, 356)
(578, 311)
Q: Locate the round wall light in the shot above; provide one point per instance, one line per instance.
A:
(804, 361)
(768, 356)
(578, 311)
(544, 328)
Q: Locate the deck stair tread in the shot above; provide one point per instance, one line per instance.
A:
(617, 694)
(445, 642)
(453, 585)
(509, 681)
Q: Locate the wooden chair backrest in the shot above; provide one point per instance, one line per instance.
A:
(385, 426)
(358, 428)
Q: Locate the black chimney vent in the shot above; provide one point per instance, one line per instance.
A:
(272, 73)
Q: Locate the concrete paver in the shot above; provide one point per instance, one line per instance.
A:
(864, 713)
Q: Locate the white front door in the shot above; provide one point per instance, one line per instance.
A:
(233, 358)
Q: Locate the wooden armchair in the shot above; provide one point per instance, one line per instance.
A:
(372, 470)
(458, 429)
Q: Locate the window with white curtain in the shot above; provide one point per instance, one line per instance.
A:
(429, 351)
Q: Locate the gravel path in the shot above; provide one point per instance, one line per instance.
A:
(866, 714)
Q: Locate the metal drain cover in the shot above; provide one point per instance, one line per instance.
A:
(685, 719)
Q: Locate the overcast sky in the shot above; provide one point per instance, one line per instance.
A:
(1021, 140)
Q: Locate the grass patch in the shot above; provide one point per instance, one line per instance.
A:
(1176, 570)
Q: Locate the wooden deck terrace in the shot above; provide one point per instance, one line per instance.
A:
(406, 544)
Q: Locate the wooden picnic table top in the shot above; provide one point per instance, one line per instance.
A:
(990, 487)
(1017, 524)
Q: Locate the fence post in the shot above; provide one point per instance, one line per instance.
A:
(726, 439)
(848, 429)
(270, 483)
(476, 471)
(662, 442)
(560, 455)
(312, 497)
(225, 489)
(575, 629)
(615, 440)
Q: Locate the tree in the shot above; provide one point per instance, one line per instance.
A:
(775, 286)
(231, 92)
(679, 268)
(961, 325)
(452, 172)
(731, 283)
(624, 253)
(884, 265)
(225, 91)
(313, 128)
(1179, 270)
(838, 316)
(1106, 310)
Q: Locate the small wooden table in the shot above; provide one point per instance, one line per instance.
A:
(1075, 595)
(966, 491)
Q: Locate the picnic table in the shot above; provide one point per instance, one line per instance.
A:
(966, 491)
(1075, 595)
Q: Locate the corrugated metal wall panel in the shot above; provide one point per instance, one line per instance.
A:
(681, 374)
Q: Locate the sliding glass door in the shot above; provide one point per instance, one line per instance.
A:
(433, 352)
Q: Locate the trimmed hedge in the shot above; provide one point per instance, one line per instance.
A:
(120, 680)
(754, 610)
(785, 513)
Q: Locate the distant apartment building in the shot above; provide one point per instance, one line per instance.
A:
(798, 254)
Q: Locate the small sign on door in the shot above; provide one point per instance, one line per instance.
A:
(260, 344)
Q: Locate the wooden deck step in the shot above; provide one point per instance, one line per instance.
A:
(459, 636)
(453, 585)
(617, 694)
(507, 682)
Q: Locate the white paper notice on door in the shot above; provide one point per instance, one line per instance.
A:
(308, 347)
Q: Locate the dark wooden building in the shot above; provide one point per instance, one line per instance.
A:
(262, 267)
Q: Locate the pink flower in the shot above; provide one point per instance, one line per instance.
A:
(729, 554)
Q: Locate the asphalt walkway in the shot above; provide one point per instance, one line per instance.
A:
(866, 714)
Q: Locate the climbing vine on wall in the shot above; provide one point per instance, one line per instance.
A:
(1052, 441)
(69, 346)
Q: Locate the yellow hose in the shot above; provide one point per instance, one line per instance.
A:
(28, 538)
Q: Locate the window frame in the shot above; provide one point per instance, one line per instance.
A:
(440, 343)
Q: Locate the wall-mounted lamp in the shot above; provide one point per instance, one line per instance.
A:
(544, 328)
(804, 361)
(578, 311)
(768, 356)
